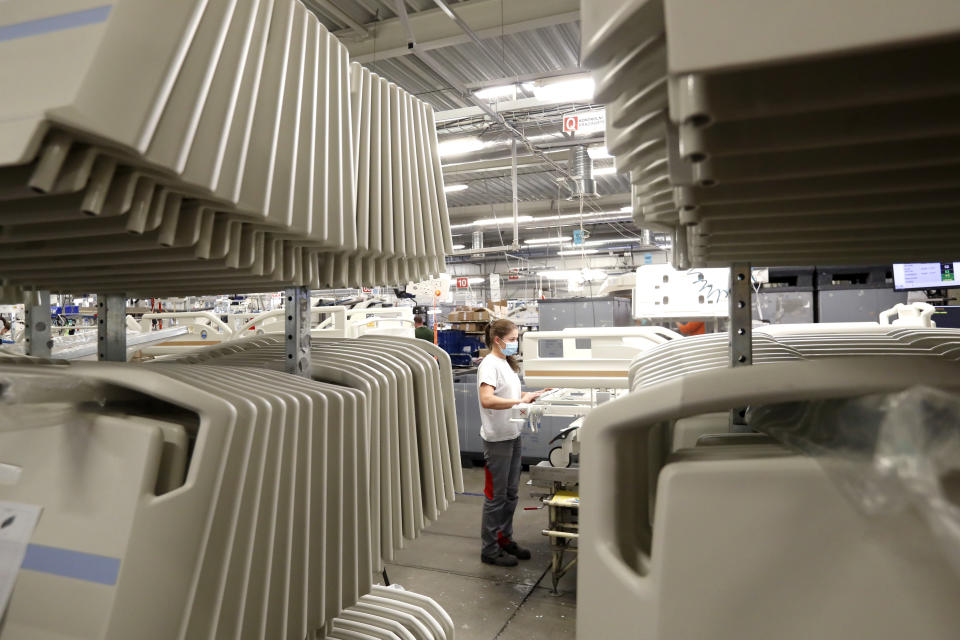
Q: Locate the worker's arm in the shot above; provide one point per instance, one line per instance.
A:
(490, 401)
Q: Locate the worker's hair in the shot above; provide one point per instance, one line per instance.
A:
(418, 319)
(6, 323)
(500, 329)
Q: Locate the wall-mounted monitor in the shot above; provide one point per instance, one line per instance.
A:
(925, 275)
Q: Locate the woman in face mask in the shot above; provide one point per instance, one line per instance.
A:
(499, 390)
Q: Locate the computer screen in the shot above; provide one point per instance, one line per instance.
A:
(925, 275)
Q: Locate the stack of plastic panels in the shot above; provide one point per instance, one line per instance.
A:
(393, 610)
(403, 228)
(678, 358)
(183, 500)
(413, 438)
(627, 47)
(805, 132)
(207, 146)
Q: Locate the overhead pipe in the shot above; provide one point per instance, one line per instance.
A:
(342, 16)
(515, 200)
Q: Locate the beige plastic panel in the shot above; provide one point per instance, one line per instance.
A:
(747, 32)
(733, 524)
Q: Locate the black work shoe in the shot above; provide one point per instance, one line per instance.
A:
(501, 560)
(516, 550)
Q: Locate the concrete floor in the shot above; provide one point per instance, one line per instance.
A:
(487, 602)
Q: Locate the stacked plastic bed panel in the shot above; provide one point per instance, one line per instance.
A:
(784, 133)
(195, 501)
(401, 377)
(206, 146)
(690, 531)
(679, 358)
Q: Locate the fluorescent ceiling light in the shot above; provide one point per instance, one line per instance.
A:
(598, 152)
(495, 221)
(457, 247)
(598, 243)
(476, 280)
(576, 90)
(613, 215)
(592, 217)
(605, 171)
(627, 209)
(500, 91)
(557, 240)
(577, 252)
(460, 146)
(450, 188)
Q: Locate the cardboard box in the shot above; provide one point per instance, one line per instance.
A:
(479, 315)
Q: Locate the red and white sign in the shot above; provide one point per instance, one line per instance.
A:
(462, 283)
(513, 277)
(365, 290)
(584, 122)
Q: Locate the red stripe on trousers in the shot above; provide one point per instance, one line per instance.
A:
(488, 485)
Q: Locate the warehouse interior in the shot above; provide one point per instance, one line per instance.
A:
(327, 319)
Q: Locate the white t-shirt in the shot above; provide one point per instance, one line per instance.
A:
(495, 425)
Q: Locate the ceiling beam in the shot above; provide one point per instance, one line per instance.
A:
(506, 106)
(533, 207)
(434, 30)
(501, 164)
(527, 77)
(356, 30)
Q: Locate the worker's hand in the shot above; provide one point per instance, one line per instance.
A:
(530, 396)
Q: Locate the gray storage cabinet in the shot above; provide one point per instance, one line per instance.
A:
(855, 294)
(787, 298)
(576, 313)
(570, 313)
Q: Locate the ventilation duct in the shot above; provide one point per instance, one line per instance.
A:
(477, 242)
(582, 183)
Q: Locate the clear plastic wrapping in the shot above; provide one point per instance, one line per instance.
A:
(29, 400)
(886, 452)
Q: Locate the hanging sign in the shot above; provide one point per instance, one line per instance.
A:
(585, 121)
(462, 283)
(578, 236)
(494, 286)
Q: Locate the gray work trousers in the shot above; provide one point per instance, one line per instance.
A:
(502, 473)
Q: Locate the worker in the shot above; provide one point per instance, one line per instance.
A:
(421, 330)
(499, 390)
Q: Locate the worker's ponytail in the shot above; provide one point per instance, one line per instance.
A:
(500, 329)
